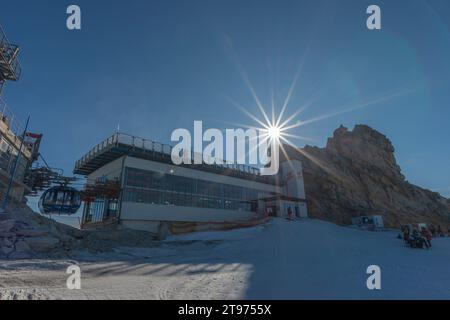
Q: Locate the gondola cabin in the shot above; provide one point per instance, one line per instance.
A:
(60, 200)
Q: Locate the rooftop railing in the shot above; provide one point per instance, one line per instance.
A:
(150, 146)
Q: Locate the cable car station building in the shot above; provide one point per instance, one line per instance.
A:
(15, 156)
(157, 195)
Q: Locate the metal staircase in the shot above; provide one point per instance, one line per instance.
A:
(9, 64)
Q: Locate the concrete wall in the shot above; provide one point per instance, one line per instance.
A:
(111, 170)
(292, 174)
(303, 210)
(143, 225)
(157, 212)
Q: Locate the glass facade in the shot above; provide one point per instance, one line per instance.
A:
(100, 210)
(158, 188)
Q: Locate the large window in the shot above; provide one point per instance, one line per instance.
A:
(158, 188)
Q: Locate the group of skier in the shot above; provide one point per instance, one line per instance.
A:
(421, 236)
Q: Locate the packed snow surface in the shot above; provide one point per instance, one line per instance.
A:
(302, 259)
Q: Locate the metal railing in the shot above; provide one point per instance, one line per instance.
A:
(8, 117)
(150, 146)
(8, 54)
(96, 150)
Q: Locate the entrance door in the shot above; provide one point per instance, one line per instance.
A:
(272, 211)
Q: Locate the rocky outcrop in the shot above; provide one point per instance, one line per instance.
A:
(26, 234)
(357, 174)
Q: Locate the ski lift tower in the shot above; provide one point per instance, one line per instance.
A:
(9, 64)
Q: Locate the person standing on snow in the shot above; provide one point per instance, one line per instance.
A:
(427, 236)
(290, 214)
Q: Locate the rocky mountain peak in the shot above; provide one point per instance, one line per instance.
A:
(364, 146)
(357, 174)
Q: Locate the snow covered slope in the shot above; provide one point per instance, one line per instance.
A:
(305, 259)
(312, 259)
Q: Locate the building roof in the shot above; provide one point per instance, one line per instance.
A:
(121, 144)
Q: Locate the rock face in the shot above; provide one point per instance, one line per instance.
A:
(357, 174)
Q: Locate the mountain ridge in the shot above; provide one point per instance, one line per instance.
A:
(356, 173)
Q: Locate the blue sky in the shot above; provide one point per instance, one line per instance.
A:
(154, 66)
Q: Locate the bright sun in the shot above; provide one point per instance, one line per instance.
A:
(274, 132)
